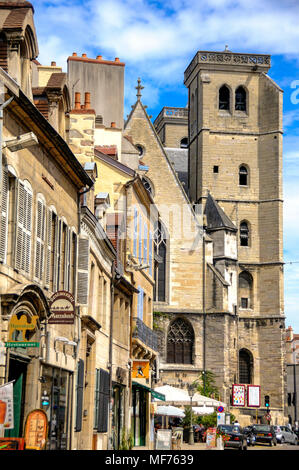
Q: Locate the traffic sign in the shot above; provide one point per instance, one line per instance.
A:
(220, 409)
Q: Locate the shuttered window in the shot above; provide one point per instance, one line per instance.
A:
(82, 284)
(140, 303)
(150, 253)
(103, 408)
(24, 227)
(96, 399)
(4, 216)
(40, 240)
(140, 239)
(145, 245)
(48, 248)
(79, 395)
(135, 234)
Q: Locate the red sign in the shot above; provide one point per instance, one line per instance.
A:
(62, 308)
(12, 443)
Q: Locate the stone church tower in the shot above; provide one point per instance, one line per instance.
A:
(235, 153)
(223, 305)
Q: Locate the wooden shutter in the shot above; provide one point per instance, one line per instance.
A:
(140, 239)
(135, 232)
(48, 248)
(103, 401)
(27, 230)
(67, 259)
(80, 390)
(145, 245)
(150, 257)
(19, 225)
(40, 240)
(83, 263)
(140, 303)
(4, 216)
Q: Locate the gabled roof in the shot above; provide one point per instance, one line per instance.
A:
(216, 217)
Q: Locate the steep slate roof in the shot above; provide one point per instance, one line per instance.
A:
(216, 217)
(179, 158)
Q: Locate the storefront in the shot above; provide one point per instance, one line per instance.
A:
(118, 414)
(56, 394)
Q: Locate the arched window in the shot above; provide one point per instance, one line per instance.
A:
(244, 234)
(224, 97)
(160, 250)
(180, 340)
(240, 103)
(148, 185)
(243, 176)
(245, 290)
(245, 366)
(184, 143)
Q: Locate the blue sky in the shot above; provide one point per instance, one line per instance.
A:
(158, 39)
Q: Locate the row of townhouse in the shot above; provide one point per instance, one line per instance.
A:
(75, 222)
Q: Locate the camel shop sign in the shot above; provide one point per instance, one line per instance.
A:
(19, 328)
(62, 308)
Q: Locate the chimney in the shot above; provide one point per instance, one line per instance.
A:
(84, 55)
(113, 124)
(87, 100)
(77, 100)
(74, 54)
(53, 64)
(116, 59)
(99, 57)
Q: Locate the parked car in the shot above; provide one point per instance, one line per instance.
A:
(265, 433)
(287, 435)
(248, 431)
(237, 438)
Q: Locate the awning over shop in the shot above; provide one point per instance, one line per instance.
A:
(157, 395)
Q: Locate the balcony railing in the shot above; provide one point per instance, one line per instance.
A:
(145, 334)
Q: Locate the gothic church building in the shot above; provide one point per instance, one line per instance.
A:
(219, 299)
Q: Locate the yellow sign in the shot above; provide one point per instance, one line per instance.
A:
(140, 369)
(20, 327)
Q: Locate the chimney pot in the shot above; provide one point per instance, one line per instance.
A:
(77, 100)
(84, 55)
(99, 57)
(74, 54)
(113, 124)
(116, 59)
(87, 100)
(53, 64)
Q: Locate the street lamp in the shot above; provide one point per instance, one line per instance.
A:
(191, 392)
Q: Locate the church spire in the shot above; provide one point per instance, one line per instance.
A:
(139, 87)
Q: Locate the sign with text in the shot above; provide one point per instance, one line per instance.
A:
(62, 308)
(238, 395)
(20, 328)
(211, 438)
(253, 396)
(164, 439)
(36, 430)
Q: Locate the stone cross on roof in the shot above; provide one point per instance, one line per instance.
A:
(139, 87)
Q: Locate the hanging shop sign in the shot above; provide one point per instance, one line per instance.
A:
(6, 406)
(62, 308)
(20, 326)
(36, 430)
(238, 395)
(253, 396)
(140, 369)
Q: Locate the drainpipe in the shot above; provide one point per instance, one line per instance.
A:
(2, 107)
